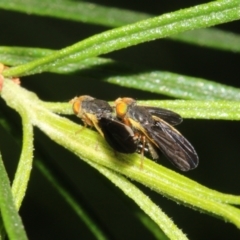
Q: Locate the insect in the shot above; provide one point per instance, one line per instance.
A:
(99, 114)
(154, 129)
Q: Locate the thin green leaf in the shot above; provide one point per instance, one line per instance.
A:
(149, 224)
(12, 221)
(115, 17)
(177, 85)
(153, 175)
(77, 11)
(154, 212)
(162, 220)
(213, 38)
(98, 234)
(171, 84)
(24, 168)
(222, 110)
(192, 18)
(14, 56)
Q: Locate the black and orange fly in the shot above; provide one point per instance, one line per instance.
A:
(153, 127)
(99, 114)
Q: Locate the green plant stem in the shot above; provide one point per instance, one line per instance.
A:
(23, 172)
(154, 212)
(153, 175)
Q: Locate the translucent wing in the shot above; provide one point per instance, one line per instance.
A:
(173, 145)
(167, 115)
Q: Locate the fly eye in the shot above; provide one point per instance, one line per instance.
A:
(76, 107)
(121, 109)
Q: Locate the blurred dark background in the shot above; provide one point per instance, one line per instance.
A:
(44, 212)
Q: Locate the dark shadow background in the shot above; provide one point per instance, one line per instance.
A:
(44, 212)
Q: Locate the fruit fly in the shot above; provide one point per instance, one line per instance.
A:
(153, 128)
(99, 114)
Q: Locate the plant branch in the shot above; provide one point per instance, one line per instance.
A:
(153, 175)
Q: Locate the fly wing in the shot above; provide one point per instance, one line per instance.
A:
(168, 116)
(119, 136)
(99, 107)
(173, 145)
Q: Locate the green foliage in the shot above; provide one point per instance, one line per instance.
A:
(201, 99)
